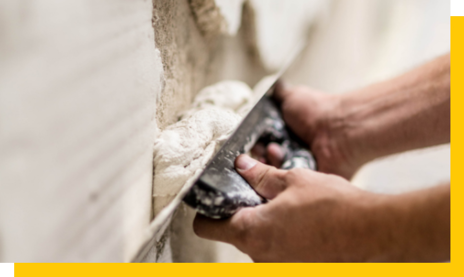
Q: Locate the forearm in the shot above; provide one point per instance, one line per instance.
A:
(416, 226)
(409, 112)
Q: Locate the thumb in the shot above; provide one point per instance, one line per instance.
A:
(268, 181)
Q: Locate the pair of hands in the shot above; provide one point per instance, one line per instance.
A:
(320, 216)
(307, 209)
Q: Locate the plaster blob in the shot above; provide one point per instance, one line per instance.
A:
(184, 148)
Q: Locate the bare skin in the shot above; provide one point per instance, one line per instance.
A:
(318, 216)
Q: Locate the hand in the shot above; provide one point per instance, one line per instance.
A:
(318, 120)
(347, 130)
(310, 217)
(314, 216)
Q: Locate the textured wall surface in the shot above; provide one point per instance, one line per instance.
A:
(85, 87)
(78, 88)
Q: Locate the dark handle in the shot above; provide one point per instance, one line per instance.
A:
(298, 158)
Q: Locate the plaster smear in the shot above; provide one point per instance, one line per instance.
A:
(184, 148)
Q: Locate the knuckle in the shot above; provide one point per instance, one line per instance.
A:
(294, 174)
(263, 177)
(296, 177)
(333, 177)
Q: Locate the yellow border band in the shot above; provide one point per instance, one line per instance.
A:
(457, 136)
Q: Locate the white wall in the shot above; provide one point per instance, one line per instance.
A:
(78, 87)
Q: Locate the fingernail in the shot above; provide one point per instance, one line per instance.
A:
(244, 162)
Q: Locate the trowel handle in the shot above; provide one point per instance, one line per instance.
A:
(298, 158)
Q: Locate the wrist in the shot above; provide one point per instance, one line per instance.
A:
(384, 220)
(411, 227)
(360, 118)
(416, 224)
(341, 138)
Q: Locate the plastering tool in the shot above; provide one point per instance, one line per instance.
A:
(220, 190)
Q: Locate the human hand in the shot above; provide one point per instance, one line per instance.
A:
(347, 130)
(311, 216)
(318, 120)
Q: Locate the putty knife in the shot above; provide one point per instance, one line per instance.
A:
(220, 191)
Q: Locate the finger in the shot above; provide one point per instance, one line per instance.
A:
(275, 154)
(267, 180)
(282, 90)
(259, 152)
(231, 230)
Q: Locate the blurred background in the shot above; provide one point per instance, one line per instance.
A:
(86, 87)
